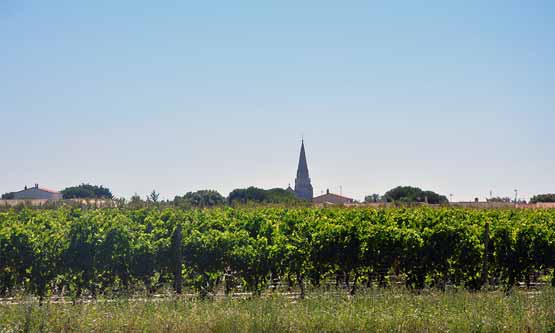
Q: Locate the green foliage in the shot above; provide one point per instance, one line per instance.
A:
(543, 198)
(373, 198)
(390, 310)
(258, 195)
(499, 199)
(107, 251)
(199, 199)
(86, 191)
(409, 194)
(153, 196)
(136, 202)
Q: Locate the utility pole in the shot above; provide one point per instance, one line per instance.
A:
(516, 195)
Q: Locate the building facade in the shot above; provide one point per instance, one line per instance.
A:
(36, 192)
(332, 199)
(303, 186)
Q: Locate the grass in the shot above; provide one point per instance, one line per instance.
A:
(371, 310)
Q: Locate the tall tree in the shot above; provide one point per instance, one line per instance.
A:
(86, 191)
(409, 194)
(258, 195)
(543, 198)
(373, 198)
(202, 198)
(499, 199)
(153, 196)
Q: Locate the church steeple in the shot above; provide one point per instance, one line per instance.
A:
(303, 187)
(302, 169)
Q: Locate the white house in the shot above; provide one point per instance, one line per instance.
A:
(37, 193)
(332, 199)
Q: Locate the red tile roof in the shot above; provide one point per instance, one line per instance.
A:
(330, 198)
(335, 195)
(48, 190)
(39, 188)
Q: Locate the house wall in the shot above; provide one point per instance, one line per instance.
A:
(98, 203)
(537, 205)
(330, 198)
(482, 204)
(36, 193)
(31, 202)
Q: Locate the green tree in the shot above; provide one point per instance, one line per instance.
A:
(499, 199)
(136, 202)
(409, 194)
(153, 197)
(373, 198)
(203, 198)
(258, 195)
(87, 191)
(543, 198)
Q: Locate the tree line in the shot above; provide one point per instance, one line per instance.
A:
(408, 194)
(212, 198)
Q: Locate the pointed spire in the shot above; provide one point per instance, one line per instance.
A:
(302, 169)
(303, 187)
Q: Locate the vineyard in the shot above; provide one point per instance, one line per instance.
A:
(74, 252)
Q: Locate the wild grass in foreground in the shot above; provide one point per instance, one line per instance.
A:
(373, 310)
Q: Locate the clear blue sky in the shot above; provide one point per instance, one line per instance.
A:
(453, 96)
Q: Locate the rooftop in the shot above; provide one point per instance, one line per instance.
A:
(38, 188)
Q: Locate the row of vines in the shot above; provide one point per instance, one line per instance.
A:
(93, 252)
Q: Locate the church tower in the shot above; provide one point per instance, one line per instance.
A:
(303, 188)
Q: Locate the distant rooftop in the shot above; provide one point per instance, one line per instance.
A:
(38, 188)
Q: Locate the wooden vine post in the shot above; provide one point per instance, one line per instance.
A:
(177, 241)
(486, 252)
